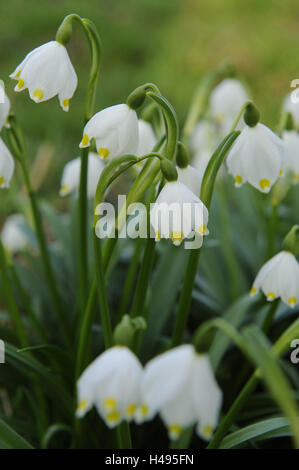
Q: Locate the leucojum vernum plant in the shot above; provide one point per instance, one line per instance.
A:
(166, 319)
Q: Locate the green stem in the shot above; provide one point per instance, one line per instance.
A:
(11, 302)
(129, 282)
(191, 269)
(272, 229)
(102, 296)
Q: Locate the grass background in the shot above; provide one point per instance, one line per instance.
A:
(170, 42)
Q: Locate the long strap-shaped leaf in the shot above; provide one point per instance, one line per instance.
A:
(10, 439)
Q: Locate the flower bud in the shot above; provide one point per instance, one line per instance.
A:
(169, 171)
(251, 115)
(136, 98)
(291, 241)
(182, 157)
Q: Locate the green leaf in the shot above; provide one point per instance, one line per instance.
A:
(263, 356)
(9, 439)
(261, 430)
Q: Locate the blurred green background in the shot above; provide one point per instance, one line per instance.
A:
(169, 42)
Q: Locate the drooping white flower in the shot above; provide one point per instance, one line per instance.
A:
(180, 386)
(70, 180)
(204, 138)
(291, 140)
(178, 213)
(47, 71)
(7, 165)
(147, 138)
(13, 236)
(292, 106)
(111, 383)
(115, 130)
(257, 156)
(191, 178)
(279, 277)
(4, 106)
(226, 100)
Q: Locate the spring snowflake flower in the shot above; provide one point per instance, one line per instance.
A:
(147, 138)
(115, 130)
(70, 180)
(257, 156)
(13, 236)
(279, 277)
(7, 165)
(47, 71)
(4, 106)
(226, 100)
(178, 213)
(111, 383)
(292, 107)
(291, 140)
(180, 386)
(191, 178)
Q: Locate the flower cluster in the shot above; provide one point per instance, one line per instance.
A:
(179, 385)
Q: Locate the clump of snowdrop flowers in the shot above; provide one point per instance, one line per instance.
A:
(279, 277)
(147, 138)
(258, 155)
(178, 213)
(180, 386)
(4, 106)
(13, 237)
(225, 102)
(7, 165)
(70, 180)
(47, 71)
(115, 130)
(111, 383)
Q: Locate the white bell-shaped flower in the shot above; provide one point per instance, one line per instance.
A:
(7, 165)
(111, 383)
(257, 156)
(70, 180)
(147, 138)
(291, 140)
(204, 138)
(226, 100)
(4, 106)
(47, 71)
(180, 386)
(279, 277)
(115, 130)
(191, 178)
(292, 106)
(178, 213)
(13, 236)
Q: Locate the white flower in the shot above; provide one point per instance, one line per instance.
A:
(180, 385)
(291, 140)
(4, 106)
(115, 130)
(226, 100)
(279, 277)
(13, 237)
(191, 178)
(178, 213)
(111, 383)
(47, 71)
(147, 138)
(70, 180)
(257, 156)
(293, 107)
(7, 165)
